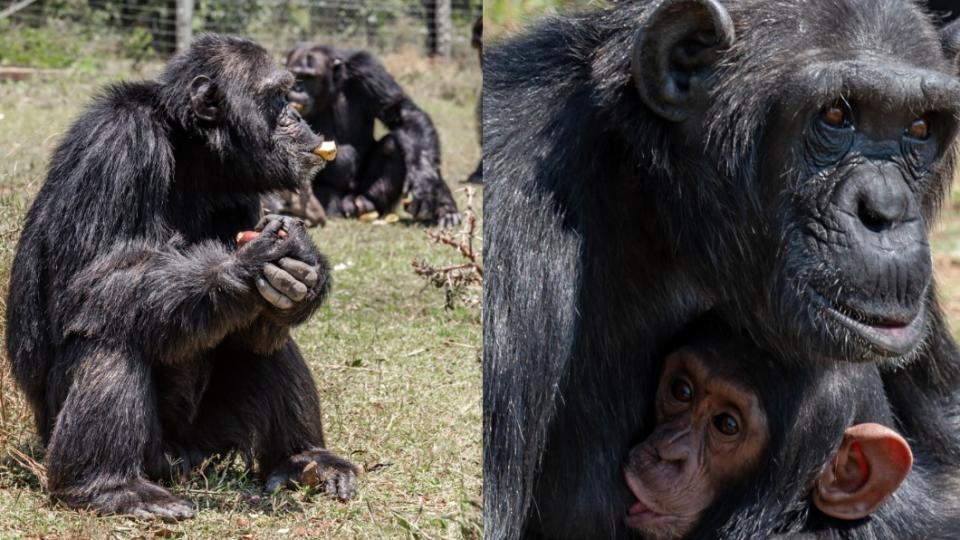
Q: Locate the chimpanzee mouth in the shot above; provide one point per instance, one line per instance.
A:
(885, 336)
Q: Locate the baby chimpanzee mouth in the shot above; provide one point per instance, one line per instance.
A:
(884, 335)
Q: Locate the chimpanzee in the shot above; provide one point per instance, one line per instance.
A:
(341, 93)
(138, 330)
(733, 427)
(476, 41)
(779, 162)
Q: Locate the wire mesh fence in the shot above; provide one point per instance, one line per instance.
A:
(152, 27)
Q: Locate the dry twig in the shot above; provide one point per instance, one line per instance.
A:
(454, 278)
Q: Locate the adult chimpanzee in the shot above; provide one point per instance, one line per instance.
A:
(135, 326)
(777, 161)
(341, 93)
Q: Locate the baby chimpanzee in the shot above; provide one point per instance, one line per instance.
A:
(726, 412)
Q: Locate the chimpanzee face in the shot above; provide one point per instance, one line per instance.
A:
(242, 111)
(849, 185)
(825, 154)
(318, 79)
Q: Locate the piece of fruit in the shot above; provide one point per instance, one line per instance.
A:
(327, 150)
(246, 237)
(369, 216)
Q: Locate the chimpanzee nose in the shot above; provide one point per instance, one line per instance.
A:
(882, 253)
(674, 448)
(882, 203)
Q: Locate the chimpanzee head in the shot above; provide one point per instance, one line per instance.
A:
(817, 137)
(320, 73)
(228, 99)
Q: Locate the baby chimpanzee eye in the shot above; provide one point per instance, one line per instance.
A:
(681, 390)
(726, 424)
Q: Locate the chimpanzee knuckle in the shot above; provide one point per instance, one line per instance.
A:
(285, 283)
(272, 295)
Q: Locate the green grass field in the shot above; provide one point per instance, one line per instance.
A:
(398, 373)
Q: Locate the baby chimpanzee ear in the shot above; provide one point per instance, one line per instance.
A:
(869, 466)
(205, 98)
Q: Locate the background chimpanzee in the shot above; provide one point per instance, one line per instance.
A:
(734, 427)
(476, 41)
(341, 93)
(138, 330)
(777, 161)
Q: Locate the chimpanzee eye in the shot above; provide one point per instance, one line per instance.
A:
(919, 129)
(835, 115)
(681, 390)
(726, 424)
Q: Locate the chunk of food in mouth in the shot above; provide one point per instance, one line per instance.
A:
(245, 237)
(327, 150)
(296, 106)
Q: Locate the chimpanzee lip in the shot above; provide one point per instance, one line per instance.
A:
(887, 337)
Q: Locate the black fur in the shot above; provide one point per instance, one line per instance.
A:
(608, 228)
(134, 326)
(343, 92)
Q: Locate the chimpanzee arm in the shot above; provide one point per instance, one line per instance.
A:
(414, 132)
(177, 300)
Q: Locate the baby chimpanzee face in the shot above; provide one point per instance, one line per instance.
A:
(715, 430)
(710, 428)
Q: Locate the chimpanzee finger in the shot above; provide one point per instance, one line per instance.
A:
(305, 273)
(272, 295)
(451, 219)
(269, 218)
(269, 228)
(364, 206)
(348, 207)
(285, 283)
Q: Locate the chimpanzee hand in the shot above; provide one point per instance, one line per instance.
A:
(363, 205)
(430, 200)
(292, 275)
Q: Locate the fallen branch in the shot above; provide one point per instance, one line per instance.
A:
(453, 278)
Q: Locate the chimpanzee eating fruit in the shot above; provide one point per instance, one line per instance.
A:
(140, 332)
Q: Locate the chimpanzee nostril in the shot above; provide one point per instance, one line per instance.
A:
(871, 219)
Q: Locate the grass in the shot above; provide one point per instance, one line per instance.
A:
(398, 374)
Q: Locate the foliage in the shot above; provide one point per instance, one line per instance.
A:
(43, 47)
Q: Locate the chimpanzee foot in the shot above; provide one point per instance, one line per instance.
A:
(138, 498)
(318, 468)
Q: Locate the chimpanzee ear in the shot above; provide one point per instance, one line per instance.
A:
(205, 99)
(674, 52)
(339, 72)
(869, 466)
(950, 41)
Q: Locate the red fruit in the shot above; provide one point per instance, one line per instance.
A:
(249, 236)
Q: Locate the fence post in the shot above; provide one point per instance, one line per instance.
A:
(439, 28)
(184, 24)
